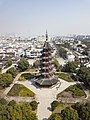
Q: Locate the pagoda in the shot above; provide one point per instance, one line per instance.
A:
(46, 77)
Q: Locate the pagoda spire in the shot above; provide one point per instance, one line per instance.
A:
(46, 36)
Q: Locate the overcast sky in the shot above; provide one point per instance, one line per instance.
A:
(33, 17)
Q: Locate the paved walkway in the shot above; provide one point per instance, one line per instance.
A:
(43, 95)
(4, 70)
(15, 79)
(85, 90)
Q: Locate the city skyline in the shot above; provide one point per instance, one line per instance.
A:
(33, 17)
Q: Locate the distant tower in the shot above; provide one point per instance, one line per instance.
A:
(46, 78)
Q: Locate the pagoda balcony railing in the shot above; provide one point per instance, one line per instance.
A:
(45, 49)
(47, 73)
(46, 55)
(45, 67)
(47, 52)
(50, 57)
(47, 61)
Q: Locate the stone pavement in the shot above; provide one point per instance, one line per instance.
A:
(45, 96)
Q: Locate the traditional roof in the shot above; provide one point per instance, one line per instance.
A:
(46, 77)
(47, 82)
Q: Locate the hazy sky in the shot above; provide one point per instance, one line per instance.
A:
(33, 17)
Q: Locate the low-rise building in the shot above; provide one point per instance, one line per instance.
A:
(70, 56)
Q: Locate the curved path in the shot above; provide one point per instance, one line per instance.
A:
(43, 95)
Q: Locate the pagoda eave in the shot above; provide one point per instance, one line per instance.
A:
(46, 82)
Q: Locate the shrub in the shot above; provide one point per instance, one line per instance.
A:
(34, 105)
(21, 78)
(76, 90)
(9, 63)
(65, 76)
(21, 90)
(23, 64)
(12, 103)
(54, 104)
(27, 76)
(55, 116)
(3, 101)
(12, 71)
(5, 80)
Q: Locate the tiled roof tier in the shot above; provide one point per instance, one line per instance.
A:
(47, 66)
(47, 62)
(47, 82)
(46, 71)
(46, 57)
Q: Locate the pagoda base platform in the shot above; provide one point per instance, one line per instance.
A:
(45, 82)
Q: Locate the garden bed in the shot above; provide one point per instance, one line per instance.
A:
(65, 76)
(26, 76)
(20, 90)
(74, 91)
(60, 107)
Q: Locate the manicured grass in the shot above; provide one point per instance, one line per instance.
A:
(32, 70)
(21, 90)
(21, 78)
(26, 76)
(76, 91)
(65, 76)
(60, 107)
(1, 91)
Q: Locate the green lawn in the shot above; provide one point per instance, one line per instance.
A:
(1, 91)
(21, 90)
(26, 76)
(74, 91)
(65, 76)
(60, 107)
(32, 70)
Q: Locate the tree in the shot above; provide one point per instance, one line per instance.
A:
(55, 116)
(57, 65)
(54, 104)
(3, 101)
(70, 67)
(23, 64)
(12, 71)
(69, 114)
(5, 80)
(84, 75)
(17, 112)
(9, 63)
(36, 64)
(82, 72)
(12, 103)
(34, 105)
(33, 116)
(62, 52)
(83, 110)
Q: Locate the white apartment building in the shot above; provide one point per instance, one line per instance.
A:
(70, 56)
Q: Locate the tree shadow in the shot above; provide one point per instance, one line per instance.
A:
(34, 84)
(45, 119)
(49, 108)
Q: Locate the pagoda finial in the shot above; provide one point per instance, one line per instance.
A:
(46, 36)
